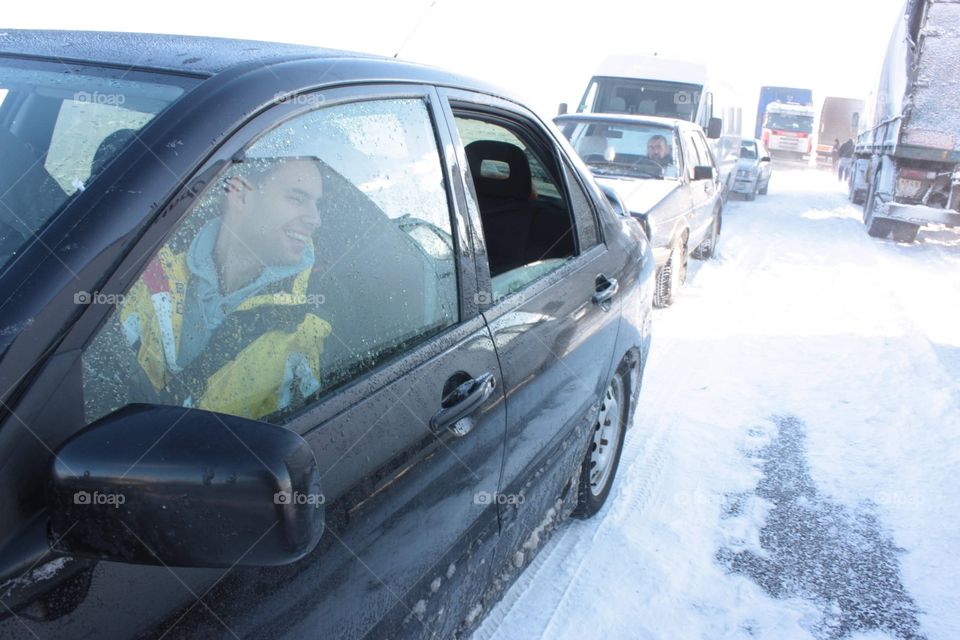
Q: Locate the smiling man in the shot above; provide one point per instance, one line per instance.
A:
(226, 325)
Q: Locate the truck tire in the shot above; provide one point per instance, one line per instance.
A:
(905, 232)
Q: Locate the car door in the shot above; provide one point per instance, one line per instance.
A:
(386, 368)
(552, 307)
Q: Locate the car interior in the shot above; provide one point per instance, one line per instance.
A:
(521, 225)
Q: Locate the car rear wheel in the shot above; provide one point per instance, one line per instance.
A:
(599, 466)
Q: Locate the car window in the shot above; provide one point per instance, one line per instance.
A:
(692, 154)
(325, 251)
(62, 123)
(527, 223)
(703, 150)
(583, 209)
(636, 150)
(748, 149)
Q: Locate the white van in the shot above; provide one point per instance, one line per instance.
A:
(657, 86)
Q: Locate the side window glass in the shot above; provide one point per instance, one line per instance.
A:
(692, 154)
(703, 149)
(325, 251)
(527, 223)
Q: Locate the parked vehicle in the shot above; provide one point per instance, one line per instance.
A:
(788, 130)
(656, 86)
(838, 123)
(754, 170)
(787, 95)
(297, 343)
(661, 172)
(908, 149)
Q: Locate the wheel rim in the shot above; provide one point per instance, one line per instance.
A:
(606, 436)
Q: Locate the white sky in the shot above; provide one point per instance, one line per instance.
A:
(543, 51)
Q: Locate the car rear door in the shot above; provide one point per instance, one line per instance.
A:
(554, 315)
(406, 418)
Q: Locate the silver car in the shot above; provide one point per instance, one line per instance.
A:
(753, 170)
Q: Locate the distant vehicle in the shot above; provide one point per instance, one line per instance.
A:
(789, 95)
(656, 86)
(788, 130)
(661, 172)
(838, 122)
(908, 147)
(753, 170)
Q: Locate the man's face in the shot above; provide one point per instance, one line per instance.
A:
(278, 212)
(657, 148)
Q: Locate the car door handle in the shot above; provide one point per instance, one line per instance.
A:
(461, 402)
(607, 288)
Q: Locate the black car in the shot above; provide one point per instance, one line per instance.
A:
(296, 343)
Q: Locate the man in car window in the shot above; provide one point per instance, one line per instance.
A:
(226, 324)
(658, 150)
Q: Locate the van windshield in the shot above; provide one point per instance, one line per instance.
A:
(643, 97)
(60, 125)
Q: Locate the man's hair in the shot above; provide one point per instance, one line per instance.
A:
(656, 136)
(256, 170)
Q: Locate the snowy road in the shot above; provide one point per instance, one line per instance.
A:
(794, 470)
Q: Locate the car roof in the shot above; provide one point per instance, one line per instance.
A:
(198, 55)
(206, 56)
(624, 118)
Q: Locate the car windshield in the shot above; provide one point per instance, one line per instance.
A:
(789, 122)
(60, 125)
(638, 150)
(646, 98)
(748, 150)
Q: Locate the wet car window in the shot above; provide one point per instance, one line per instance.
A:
(325, 251)
(62, 125)
(527, 223)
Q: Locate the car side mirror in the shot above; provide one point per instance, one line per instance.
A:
(765, 159)
(562, 109)
(184, 487)
(703, 173)
(616, 202)
(714, 128)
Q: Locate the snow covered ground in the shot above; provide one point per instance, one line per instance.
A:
(794, 469)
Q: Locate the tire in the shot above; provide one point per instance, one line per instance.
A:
(905, 232)
(876, 227)
(708, 247)
(670, 276)
(752, 195)
(599, 466)
(766, 185)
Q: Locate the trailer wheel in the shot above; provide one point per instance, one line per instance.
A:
(905, 232)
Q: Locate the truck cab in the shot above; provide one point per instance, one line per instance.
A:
(788, 130)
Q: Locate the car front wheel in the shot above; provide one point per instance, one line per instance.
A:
(606, 444)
